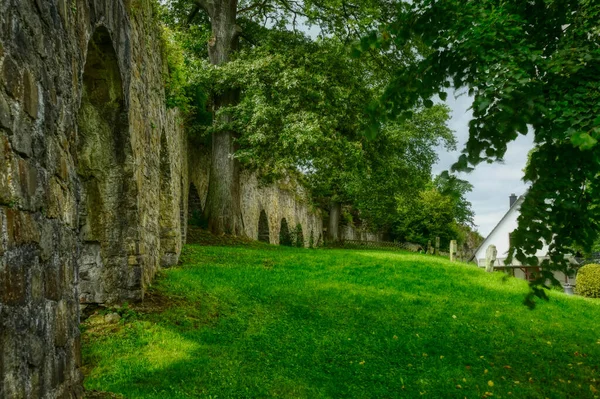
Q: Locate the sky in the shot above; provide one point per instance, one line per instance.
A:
(492, 183)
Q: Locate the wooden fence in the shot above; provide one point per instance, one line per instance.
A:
(403, 246)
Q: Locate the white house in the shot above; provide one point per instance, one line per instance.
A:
(500, 237)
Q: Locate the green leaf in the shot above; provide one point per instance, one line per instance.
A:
(443, 95)
(583, 140)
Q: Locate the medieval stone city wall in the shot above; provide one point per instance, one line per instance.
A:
(349, 232)
(281, 203)
(94, 180)
(92, 168)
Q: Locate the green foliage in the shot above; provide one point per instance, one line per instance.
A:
(588, 281)
(186, 80)
(429, 216)
(300, 105)
(295, 323)
(176, 75)
(439, 210)
(529, 65)
(397, 164)
(456, 190)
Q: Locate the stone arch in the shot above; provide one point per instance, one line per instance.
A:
(263, 227)
(194, 207)
(167, 218)
(298, 236)
(285, 236)
(105, 172)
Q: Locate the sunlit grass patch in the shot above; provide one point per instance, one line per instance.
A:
(248, 322)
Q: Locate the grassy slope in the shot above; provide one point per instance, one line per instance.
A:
(266, 322)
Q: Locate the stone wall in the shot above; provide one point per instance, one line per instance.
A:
(348, 232)
(92, 178)
(283, 200)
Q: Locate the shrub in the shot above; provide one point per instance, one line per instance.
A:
(588, 281)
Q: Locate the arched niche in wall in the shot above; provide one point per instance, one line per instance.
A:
(298, 236)
(102, 152)
(285, 236)
(194, 208)
(263, 227)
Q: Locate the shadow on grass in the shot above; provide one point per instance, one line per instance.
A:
(325, 324)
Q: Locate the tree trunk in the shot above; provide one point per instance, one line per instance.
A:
(333, 230)
(223, 209)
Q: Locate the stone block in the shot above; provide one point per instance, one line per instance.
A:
(12, 78)
(35, 353)
(22, 139)
(37, 285)
(56, 199)
(21, 228)
(53, 287)
(5, 114)
(46, 241)
(61, 332)
(28, 177)
(31, 94)
(13, 283)
(6, 172)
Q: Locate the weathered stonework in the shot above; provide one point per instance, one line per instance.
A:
(283, 200)
(348, 232)
(92, 178)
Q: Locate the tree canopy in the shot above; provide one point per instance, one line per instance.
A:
(528, 65)
(299, 104)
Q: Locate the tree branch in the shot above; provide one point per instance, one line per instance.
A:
(203, 5)
(253, 6)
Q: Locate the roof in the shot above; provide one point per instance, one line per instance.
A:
(514, 206)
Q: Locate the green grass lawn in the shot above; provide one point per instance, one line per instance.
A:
(237, 322)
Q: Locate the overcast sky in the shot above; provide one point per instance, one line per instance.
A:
(492, 183)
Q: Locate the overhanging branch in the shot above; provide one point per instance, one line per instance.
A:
(203, 5)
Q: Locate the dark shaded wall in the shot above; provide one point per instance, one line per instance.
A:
(92, 169)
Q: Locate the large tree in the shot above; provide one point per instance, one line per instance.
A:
(528, 65)
(231, 19)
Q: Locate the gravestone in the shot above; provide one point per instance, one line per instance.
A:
(452, 250)
(490, 258)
